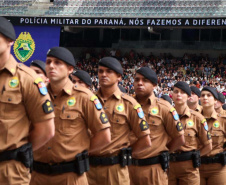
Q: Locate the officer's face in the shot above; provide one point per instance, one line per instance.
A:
(78, 82)
(193, 98)
(40, 73)
(57, 70)
(107, 77)
(207, 99)
(179, 96)
(5, 44)
(142, 86)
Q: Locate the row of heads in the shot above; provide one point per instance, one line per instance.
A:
(7, 29)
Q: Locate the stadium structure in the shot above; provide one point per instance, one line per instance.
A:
(175, 26)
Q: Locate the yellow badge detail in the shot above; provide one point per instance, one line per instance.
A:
(172, 109)
(120, 107)
(190, 123)
(137, 106)
(68, 91)
(154, 111)
(203, 121)
(14, 82)
(24, 46)
(216, 124)
(71, 101)
(118, 97)
(38, 80)
(93, 98)
(12, 70)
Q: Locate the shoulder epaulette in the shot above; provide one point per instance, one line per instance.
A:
(27, 70)
(129, 99)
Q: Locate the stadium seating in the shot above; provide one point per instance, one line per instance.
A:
(154, 8)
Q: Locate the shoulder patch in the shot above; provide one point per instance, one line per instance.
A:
(47, 107)
(14, 82)
(96, 102)
(144, 125)
(205, 124)
(139, 111)
(103, 118)
(179, 126)
(208, 135)
(174, 113)
(41, 86)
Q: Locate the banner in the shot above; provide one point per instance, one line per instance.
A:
(33, 42)
(120, 22)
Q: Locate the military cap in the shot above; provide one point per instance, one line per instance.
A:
(111, 63)
(224, 106)
(83, 76)
(167, 98)
(221, 97)
(7, 29)
(40, 64)
(62, 54)
(183, 86)
(195, 90)
(211, 90)
(149, 74)
(122, 89)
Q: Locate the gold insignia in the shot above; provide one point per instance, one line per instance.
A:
(38, 80)
(120, 107)
(71, 101)
(137, 106)
(14, 82)
(154, 110)
(216, 124)
(93, 98)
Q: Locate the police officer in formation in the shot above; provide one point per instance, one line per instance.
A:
(26, 113)
(108, 138)
(64, 159)
(150, 166)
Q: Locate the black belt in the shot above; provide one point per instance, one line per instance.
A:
(210, 160)
(147, 161)
(48, 169)
(184, 156)
(95, 161)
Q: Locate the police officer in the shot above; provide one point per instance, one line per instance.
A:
(193, 100)
(150, 166)
(24, 103)
(213, 169)
(64, 159)
(167, 98)
(218, 105)
(109, 165)
(81, 78)
(39, 67)
(185, 161)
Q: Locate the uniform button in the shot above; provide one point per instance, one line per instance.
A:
(68, 116)
(9, 99)
(54, 105)
(105, 108)
(49, 148)
(153, 122)
(117, 120)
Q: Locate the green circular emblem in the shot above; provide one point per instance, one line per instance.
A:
(154, 111)
(71, 101)
(216, 124)
(14, 82)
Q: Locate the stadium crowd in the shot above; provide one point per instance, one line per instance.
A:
(199, 70)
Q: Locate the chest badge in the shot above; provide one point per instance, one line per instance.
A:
(41, 86)
(216, 124)
(154, 111)
(14, 82)
(71, 101)
(190, 123)
(174, 113)
(139, 111)
(120, 107)
(205, 124)
(96, 102)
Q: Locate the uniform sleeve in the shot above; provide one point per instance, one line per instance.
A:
(137, 120)
(202, 128)
(172, 122)
(94, 114)
(37, 102)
